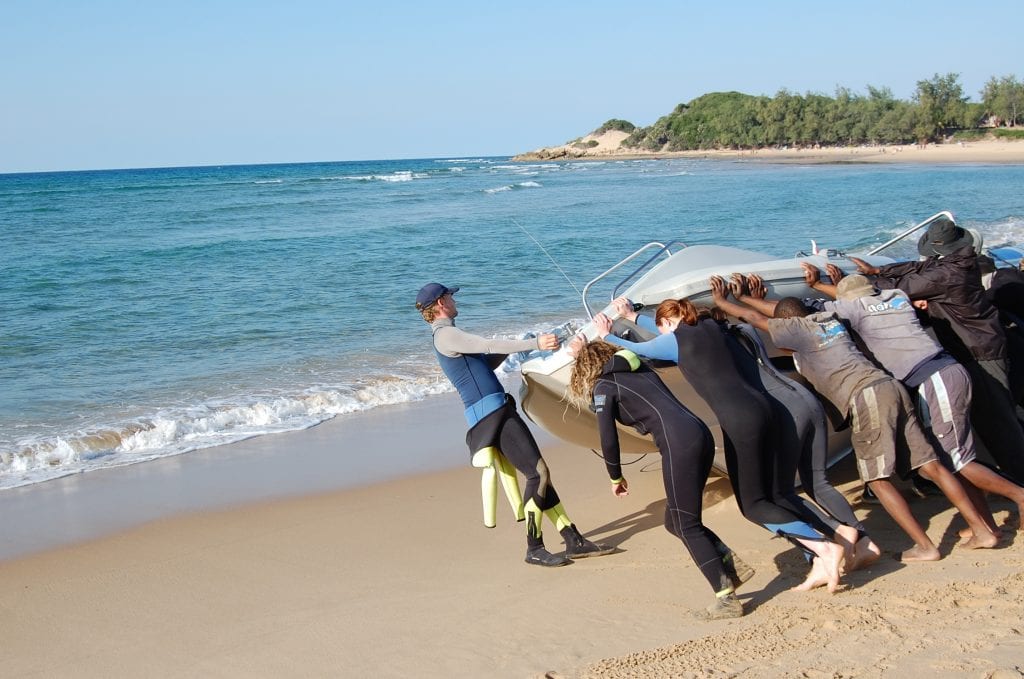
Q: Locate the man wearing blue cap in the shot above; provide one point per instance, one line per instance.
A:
(495, 427)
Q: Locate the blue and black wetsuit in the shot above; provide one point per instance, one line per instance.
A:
(631, 393)
(491, 413)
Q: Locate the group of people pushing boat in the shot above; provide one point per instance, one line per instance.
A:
(906, 397)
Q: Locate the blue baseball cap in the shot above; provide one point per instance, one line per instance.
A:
(430, 293)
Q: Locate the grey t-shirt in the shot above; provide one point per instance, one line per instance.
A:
(826, 355)
(887, 324)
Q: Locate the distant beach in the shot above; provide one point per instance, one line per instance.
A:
(982, 151)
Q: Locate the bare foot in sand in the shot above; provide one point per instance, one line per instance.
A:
(865, 553)
(816, 578)
(966, 534)
(846, 537)
(917, 553)
(824, 569)
(984, 540)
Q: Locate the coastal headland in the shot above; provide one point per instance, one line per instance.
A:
(609, 146)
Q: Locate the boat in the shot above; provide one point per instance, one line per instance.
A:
(674, 270)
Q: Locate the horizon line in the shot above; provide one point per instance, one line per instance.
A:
(235, 165)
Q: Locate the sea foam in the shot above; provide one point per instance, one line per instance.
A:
(175, 431)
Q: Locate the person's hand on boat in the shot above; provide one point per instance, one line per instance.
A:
(547, 341)
(624, 308)
(603, 325)
(738, 285)
(755, 284)
(620, 489)
(719, 288)
(576, 345)
(864, 267)
(812, 275)
(834, 273)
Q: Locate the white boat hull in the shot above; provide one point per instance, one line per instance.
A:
(684, 274)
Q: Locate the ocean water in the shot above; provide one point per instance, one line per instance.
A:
(148, 313)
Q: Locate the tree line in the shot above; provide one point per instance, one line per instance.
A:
(937, 109)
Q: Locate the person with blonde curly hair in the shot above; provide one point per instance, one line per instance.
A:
(621, 388)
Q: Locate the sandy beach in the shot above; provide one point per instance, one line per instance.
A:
(988, 151)
(271, 568)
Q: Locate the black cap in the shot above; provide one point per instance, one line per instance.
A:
(430, 293)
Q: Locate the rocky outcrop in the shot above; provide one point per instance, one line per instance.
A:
(608, 143)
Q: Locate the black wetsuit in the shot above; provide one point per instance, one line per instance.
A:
(709, 364)
(633, 394)
(802, 443)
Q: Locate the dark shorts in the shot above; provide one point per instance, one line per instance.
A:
(944, 404)
(887, 437)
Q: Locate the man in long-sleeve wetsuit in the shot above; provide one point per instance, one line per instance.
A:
(469, 362)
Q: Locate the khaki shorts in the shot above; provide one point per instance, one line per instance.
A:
(887, 437)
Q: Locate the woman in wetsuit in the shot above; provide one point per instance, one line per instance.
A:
(619, 387)
(697, 342)
(802, 447)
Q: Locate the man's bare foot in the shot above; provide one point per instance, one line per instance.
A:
(966, 533)
(846, 537)
(984, 540)
(918, 553)
(865, 553)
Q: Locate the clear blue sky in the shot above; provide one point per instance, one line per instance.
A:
(100, 84)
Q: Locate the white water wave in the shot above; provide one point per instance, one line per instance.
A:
(513, 187)
(531, 166)
(174, 432)
(399, 176)
(1009, 231)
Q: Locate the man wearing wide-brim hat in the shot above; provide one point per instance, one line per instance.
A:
(885, 322)
(947, 283)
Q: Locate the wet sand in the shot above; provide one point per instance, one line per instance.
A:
(272, 557)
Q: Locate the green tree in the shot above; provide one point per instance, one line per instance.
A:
(615, 124)
(942, 105)
(1004, 98)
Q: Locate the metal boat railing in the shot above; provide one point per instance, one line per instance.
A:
(945, 213)
(663, 249)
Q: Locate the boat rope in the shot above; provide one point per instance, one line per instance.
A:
(530, 236)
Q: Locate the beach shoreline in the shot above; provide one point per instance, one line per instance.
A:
(355, 450)
(987, 151)
(272, 569)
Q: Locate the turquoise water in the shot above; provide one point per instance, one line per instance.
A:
(152, 312)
